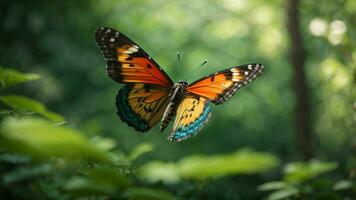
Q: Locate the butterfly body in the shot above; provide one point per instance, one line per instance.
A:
(150, 96)
(176, 95)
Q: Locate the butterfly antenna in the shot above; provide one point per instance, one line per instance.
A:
(178, 55)
(205, 61)
(195, 70)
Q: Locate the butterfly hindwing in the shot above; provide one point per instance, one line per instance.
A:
(141, 105)
(220, 86)
(192, 114)
(127, 62)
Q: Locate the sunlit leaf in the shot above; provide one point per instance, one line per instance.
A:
(160, 171)
(38, 138)
(343, 185)
(103, 143)
(240, 162)
(148, 194)
(203, 166)
(9, 77)
(274, 185)
(120, 158)
(298, 172)
(283, 194)
(55, 117)
(25, 104)
(140, 150)
(81, 186)
(22, 103)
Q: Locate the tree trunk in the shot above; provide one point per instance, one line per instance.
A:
(297, 59)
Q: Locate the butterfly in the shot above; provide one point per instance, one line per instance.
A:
(150, 96)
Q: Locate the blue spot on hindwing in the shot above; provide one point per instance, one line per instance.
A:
(193, 128)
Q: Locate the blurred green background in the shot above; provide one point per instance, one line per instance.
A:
(55, 39)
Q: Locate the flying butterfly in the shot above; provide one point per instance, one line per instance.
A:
(150, 96)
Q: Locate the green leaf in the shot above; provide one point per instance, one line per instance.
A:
(55, 117)
(10, 77)
(240, 162)
(298, 172)
(81, 186)
(202, 167)
(155, 171)
(343, 185)
(140, 150)
(101, 180)
(283, 194)
(38, 138)
(22, 173)
(273, 185)
(109, 176)
(6, 112)
(103, 143)
(148, 194)
(25, 104)
(14, 158)
(21, 103)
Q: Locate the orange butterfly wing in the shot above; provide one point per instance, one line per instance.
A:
(220, 86)
(127, 62)
(141, 103)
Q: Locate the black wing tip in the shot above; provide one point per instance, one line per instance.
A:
(256, 69)
(255, 65)
(102, 31)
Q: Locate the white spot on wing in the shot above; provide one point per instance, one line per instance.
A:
(132, 49)
(235, 79)
(234, 70)
(235, 73)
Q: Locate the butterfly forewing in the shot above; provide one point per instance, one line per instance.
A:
(127, 62)
(220, 86)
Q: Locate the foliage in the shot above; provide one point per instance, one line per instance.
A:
(40, 139)
(24, 104)
(10, 77)
(300, 182)
(37, 148)
(38, 37)
(203, 167)
(299, 172)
